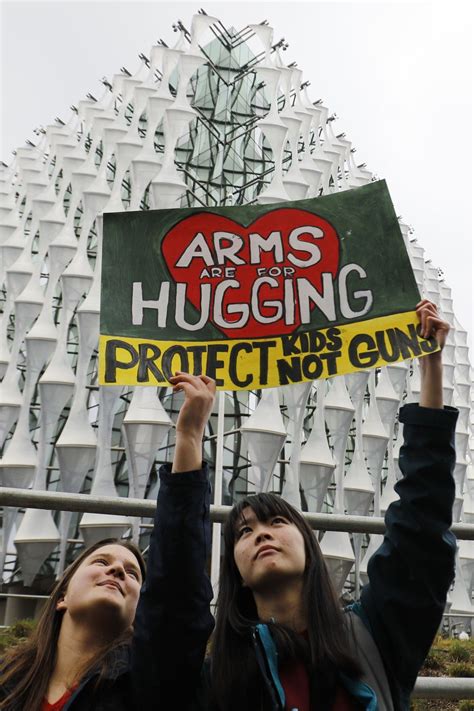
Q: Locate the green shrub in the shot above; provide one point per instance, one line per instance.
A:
(459, 652)
(434, 660)
(22, 628)
(461, 669)
(14, 634)
(418, 705)
(467, 705)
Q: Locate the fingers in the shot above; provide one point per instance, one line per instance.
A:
(199, 393)
(211, 384)
(195, 387)
(430, 321)
(426, 311)
(187, 388)
(423, 302)
(188, 383)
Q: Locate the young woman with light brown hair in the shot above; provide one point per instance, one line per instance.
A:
(93, 649)
(88, 615)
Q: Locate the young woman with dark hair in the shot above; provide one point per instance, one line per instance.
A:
(281, 640)
(92, 644)
(274, 572)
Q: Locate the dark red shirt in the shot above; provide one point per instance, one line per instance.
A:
(58, 705)
(295, 682)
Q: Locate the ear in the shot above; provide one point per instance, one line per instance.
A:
(61, 603)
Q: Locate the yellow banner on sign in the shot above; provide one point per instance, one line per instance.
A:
(266, 362)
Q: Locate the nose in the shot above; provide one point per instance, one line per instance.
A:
(116, 569)
(263, 533)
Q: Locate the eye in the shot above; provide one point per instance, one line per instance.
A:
(101, 561)
(243, 530)
(279, 519)
(133, 573)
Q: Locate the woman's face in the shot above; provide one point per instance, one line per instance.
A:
(104, 589)
(268, 553)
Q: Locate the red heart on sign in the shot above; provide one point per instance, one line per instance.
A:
(284, 245)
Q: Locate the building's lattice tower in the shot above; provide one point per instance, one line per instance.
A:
(216, 120)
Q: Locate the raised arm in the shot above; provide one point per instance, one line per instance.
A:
(411, 572)
(199, 394)
(173, 620)
(431, 366)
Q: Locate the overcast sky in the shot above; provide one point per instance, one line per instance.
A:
(397, 74)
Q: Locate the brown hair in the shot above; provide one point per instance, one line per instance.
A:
(26, 669)
(325, 652)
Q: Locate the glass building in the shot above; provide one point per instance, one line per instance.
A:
(218, 119)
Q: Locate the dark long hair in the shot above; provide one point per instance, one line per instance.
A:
(27, 668)
(235, 676)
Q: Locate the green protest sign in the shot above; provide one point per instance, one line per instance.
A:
(257, 296)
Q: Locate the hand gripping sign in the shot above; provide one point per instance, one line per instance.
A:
(257, 296)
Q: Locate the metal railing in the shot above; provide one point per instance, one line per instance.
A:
(443, 687)
(59, 501)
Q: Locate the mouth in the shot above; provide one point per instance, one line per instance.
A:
(112, 584)
(265, 550)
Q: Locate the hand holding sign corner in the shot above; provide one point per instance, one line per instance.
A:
(431, 324)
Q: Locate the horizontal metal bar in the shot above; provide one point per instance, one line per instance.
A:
(60, 501)
(24, 597)
(443, 687)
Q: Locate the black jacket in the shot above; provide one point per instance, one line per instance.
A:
(410, 574)
(173, 621)
(391, 629)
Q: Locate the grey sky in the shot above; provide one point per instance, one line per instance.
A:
(398, 75)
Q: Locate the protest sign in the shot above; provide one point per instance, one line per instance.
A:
(257, 296)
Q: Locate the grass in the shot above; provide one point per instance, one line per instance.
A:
(447, 657)
(14, 634)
